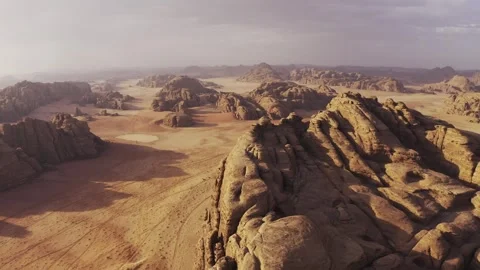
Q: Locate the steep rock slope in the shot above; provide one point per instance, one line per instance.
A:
(278, 99)
(260, 73)
(29, 144)
(458, 84)
(467, 104)
(349, 80)
(362, 185)
(22, 98)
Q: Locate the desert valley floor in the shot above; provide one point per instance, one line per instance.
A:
(140, 202)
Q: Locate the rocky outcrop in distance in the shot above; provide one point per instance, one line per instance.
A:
(363, 185)
(155, 81)
(475, 79)
(279, 99)
(348, 80)
(181, 93)
(261, 73)
(458, 84)
(30, 145)
(24, 97)
(467, 104)
(108, 100)
(178, 119)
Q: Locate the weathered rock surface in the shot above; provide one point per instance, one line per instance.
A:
(155, 81)
(22, 98)
(29, 144)
(467, 104)
(279, 99)
(178, 119)
(363, 185)
(212, 85)
(108, 100)
(261, 73)
(349, 80)
(458, 84)
(181, 93)
(475, 79)
(242, 108)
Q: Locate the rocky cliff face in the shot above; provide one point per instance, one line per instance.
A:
(467, 104)
(349, 80)
(278, 99)
(363, 185)
(22, 98)
(242, 108)
(458, 84)
(155, 81)
(29, 144)
(183, 92)
(260, 73)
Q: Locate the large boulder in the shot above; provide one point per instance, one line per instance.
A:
(364, 185)
(22, 98)
(178, 119)
(348, 80)
(261, 73)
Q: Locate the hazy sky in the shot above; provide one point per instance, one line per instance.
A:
(92, 34)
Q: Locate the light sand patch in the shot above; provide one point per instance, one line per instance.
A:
(145, 138)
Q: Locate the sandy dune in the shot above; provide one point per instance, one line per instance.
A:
(139, 205)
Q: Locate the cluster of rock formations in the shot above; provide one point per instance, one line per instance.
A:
(278, 99)
(348, 80)
(24, 97)
(457, 84)
(363, 185)
(108, 100)
(261, 73)
(241, 107)
(29, 146)
(467, 104)
(155, 81)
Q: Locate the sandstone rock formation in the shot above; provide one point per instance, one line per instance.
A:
(22, 98)
(28, 145)
(349, 80)
(458, 84)
(278, 99)
(242, 108)
(155, 81)
(108, 100)
(467, 104)
(475, 79)
(181, 93)
(260, 73)
(211, 85)
(178, 119)
(364, 185)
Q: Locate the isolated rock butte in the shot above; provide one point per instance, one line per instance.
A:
(363, 185)
(279, 99)
(458, 84)
(467, 104)
(348, 80)
(181, 93)
(22, 98)
(109, 100)
(178, 119)
(260, 73)
(155, 81)
(29, 144)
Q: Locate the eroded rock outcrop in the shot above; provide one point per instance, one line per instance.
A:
(108, 100)
(261, 73)
(278, 99)
(348, 80)
(178, 119)
(155, 81)
(22, 98)
(475, 79)
(362, 185)
(467, 104)
(242, 108)
(458, 84)
(28, 145)
(181, 93)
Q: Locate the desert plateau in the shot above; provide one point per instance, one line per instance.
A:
(249, 135)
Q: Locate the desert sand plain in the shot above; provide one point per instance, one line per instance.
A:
(141, 202)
